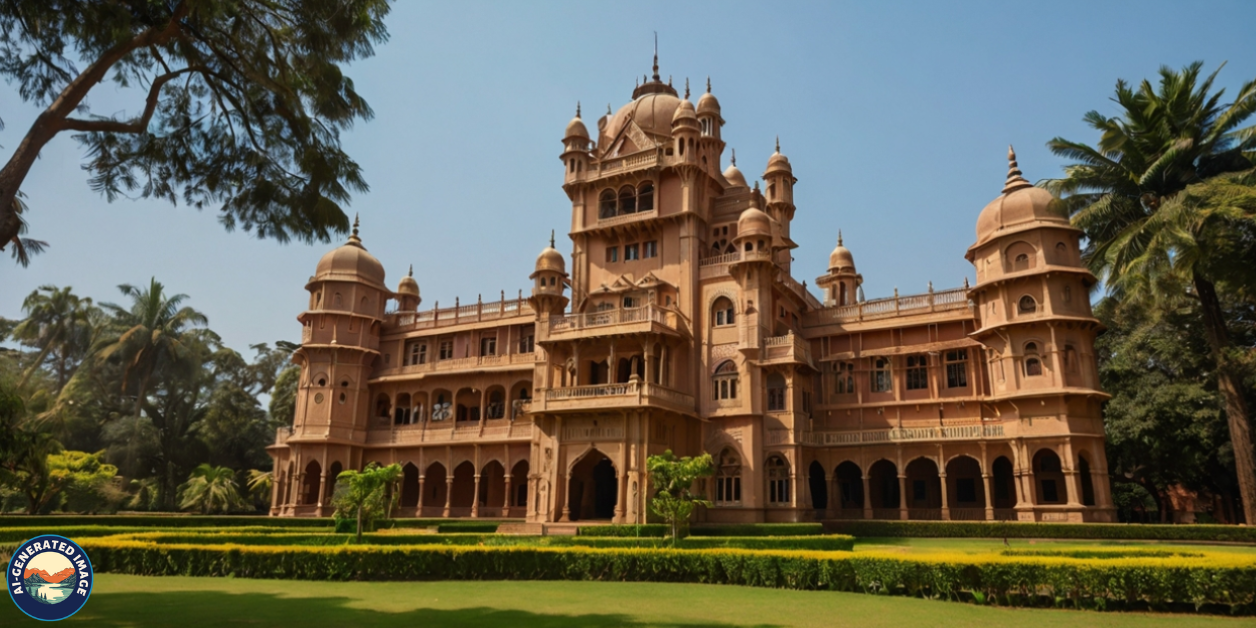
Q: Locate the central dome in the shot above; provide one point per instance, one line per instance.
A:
(652, 112)
(1020, 206)
(351, 262)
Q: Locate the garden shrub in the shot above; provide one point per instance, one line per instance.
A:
(999, 529)
(11, 535)
(1218, 582)
(160, 521)
(708, 529)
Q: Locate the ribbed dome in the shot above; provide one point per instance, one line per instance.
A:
(753, 222)
(685, 115)
(351, 262)
(778, 162)
(1021, 205)
(708, 102)
(733, 175)
(550, 260)
(576, 128)
(840, 258)
(408, 286)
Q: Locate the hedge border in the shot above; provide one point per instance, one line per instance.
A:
(219, 521)
(1027, 530)
(707, 529)
(1218, 583)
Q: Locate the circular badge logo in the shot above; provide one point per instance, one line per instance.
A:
(49, 577)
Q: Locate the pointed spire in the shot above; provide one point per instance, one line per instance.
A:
(354, 240)
(608, 109)
(551, 238)
(708, 85)
(1014, 179)
(577, 108)
(734, 157)
(411, 273)
(669, 80)
(839, 237)
(355, 224)
(778, 145)
(686, 88)
(656, 55)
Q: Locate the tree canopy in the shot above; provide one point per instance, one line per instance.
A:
(241, 104)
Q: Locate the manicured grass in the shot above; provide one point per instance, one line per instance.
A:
(182, 602)
(921, 545)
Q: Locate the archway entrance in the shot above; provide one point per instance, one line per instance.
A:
(593, 490)
(819, 488)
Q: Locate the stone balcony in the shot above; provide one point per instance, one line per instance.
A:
(639, 320)
(634, 394)
(451, 432)
(787, 349)
(941, 301)
(480, 311)
(513, 361)
(829, 438)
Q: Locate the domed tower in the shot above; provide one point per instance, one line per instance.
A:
(1036, 324)
(685, 131)
(779, 177)
(339, 348)
(754, 273)
(407, 294)
(733, 175)
(841, 283)
(709, 123)
(575, 148)
(549, 280)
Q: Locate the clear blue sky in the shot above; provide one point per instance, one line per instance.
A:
(896, 117)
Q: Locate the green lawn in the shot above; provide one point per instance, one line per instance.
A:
(981, 546)
(135, 601)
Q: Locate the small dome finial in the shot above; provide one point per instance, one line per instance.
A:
(577, 108)
(411, 273)
(669, 80)
(778, 144)
(1014, 179)
(355, 224)
(734, 157)
(551, 238)
(708, 85)
(686, 88)
(656, 56)
(608, 109)
(839, 237)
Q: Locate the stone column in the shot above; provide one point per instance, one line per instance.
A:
(565, 480)
(867, 497)
(902, 497)
(475, 501)
(946, 510)
(985, 481)
(418, 508)
(299, 481)
(621, 495)
(322, 491)
(648, 352)
(506, 499)
(449, 493)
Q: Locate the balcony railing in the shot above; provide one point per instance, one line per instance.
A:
(620, 219)
(586, 320)
(945, 300)
(899, 435)
(787, 347)
(443, 432)
(459, 314)
(462, 364)
(634, 393)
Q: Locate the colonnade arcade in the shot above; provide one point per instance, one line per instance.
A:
(459, 403)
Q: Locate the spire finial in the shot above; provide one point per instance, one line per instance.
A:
(839, 237)
(411, 273)
(608, 109)
(577, 108)
(551, 238)
(708, 85)
(669, 80)
(1014, 179)
(686, 88)
(656, 55)
(734, 156)
(778, 144)
(355, 224)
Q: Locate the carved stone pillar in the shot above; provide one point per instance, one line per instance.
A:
(475, 501)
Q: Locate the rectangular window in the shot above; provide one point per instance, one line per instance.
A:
(612, 254)
(806, 401)
(488, 346)
(526, 344)
(728, 489)
(446, 349)
(632, 252)
(957, 368)
(917, 372)
(417, 353)
(882, 379)
(776, 399)
(650, 249)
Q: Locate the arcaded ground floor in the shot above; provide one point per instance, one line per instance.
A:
(181, 602)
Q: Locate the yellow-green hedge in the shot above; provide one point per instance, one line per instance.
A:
(1216, 582)
(1030, 530)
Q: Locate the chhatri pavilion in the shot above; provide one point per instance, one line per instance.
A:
(676, 322)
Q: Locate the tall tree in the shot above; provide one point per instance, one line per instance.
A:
(58, 323)
(243, 103)
(673, 478)
(365, 495)
(1147, 243)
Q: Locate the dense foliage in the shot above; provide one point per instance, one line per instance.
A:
(672, 479)
(1017, 530)
(114, 406)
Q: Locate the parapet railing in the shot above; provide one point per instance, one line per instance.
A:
(944, 300)
(460, 314)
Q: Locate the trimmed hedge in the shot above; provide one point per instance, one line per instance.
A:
(833, 542)
(708, 529)
(157, 521)
(13, 535)
(1009, 529)
(1216, 583)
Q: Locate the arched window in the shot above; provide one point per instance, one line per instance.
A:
(1027, 305)
(627, 200)
(1070, 359)
(841, 294)
(778, 480)
(724, 382)
(1021, 263)
(776, 392)
(606, 204)
(1033, 365)
(728, 478)
(645, 197)
(841, 376)
(1068, 294)
(882, 375)
(1061, 253)
(722, 312)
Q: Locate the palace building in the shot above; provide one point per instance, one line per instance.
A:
(677, 323)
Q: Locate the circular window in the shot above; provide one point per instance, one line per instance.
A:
(318, 398)
(322, 381)
(342, 397)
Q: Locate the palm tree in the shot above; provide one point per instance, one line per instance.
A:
(1146, 239)
(210, 489)
(23, 248)
(153, 333)
(57, 321)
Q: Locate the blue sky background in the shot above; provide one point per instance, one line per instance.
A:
(895, 115)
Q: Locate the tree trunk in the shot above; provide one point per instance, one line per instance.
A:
(1230, 384)
(359, 524)
(43, 354)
